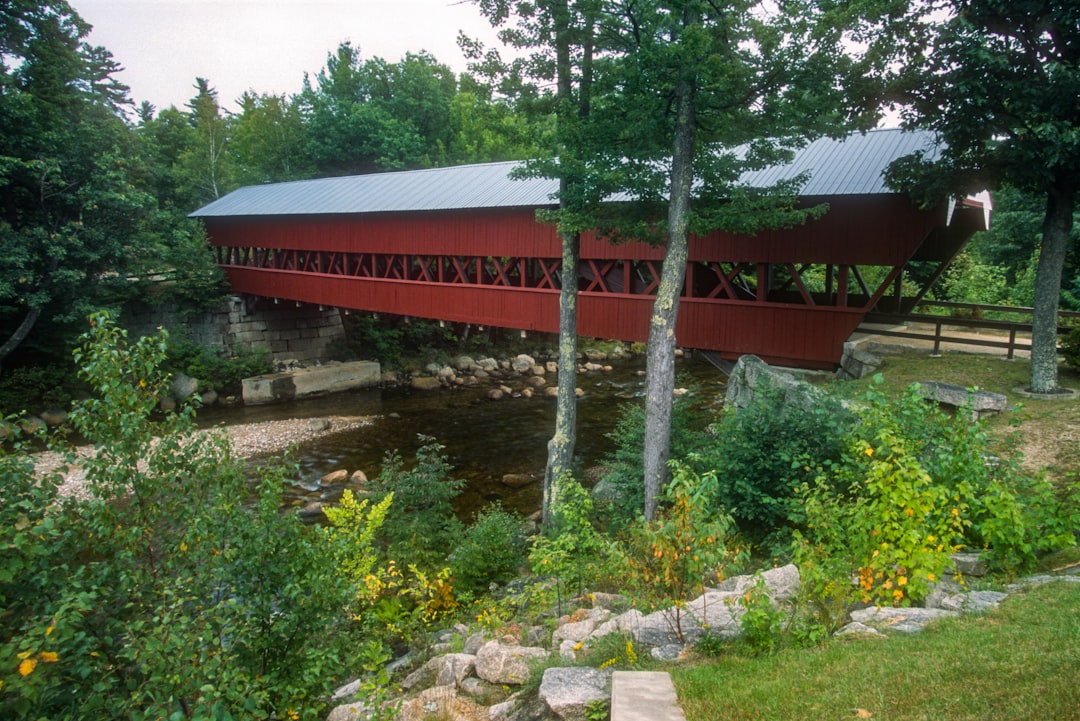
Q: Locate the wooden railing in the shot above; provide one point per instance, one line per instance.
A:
(1019, 332)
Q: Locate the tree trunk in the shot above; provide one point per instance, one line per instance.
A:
(660, 364)
(561, 446)
(1057, 225)
(20, 334)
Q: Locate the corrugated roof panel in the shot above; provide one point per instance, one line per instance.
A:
(851, 166)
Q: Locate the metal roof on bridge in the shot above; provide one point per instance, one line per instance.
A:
(850, 166)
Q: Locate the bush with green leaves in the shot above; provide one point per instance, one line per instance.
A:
(215, 371)
(491, 550)
(762, 453)
(624, 466)
(173, 588)
(425, 527)
(35, 388)
(571, 549)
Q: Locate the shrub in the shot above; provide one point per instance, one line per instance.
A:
(215, 371)
(762, 453)
(624, 465)
(175, 589)
(491, 550)
(35, 388)
(424, 527)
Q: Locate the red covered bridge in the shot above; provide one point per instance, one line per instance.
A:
(462, 244)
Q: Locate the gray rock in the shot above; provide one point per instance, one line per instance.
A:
(440, 702)
(54, 417)
(978, 401)
(465, 363)
(668, 653)
(982, 601)
(183, 387)
(453, 668)
(781, 583)
(661, 628)
(968, 564)
(473, 643)
(750, 373)
(501, 711)
(568, 650)
(856, 363)
(856, 627)
(902, 620)
(347, 691)
(209, 398)
(495, 394)
(624, 623)
(509, 665)
(523, 363)
(577, 631)
(719, 611)
(349, 712)
(567, 691)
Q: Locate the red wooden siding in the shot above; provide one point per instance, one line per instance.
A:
(495, 267)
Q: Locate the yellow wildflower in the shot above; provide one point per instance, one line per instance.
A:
(869, 452)
(26, 666)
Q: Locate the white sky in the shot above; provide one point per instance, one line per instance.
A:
(265, 45)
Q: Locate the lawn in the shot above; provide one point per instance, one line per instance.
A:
(1019, 662)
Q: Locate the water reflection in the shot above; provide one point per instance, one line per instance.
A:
(484, 440)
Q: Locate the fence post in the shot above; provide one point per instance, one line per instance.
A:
(1012, 342)
(937, 340)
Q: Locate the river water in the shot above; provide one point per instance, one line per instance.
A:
(483, 439)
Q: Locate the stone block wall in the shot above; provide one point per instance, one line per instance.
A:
(290, 331)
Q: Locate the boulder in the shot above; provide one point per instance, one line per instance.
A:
(719, 611)
(440, 702)
(358, 477)
(902, 620)
(977, 401)
(781, 583)
(54, 417)
(509, 665)
(567, 691)
(518, 480)
(209, 398)
(333, 477)
(465, 363)
(536, 382)
(523, 363)
(750, 372)
(495, 394)
(856, 363)
(183, 387)
(425, 383)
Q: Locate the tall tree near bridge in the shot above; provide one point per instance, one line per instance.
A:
(999, 82)
(560, 42)
(710, 91)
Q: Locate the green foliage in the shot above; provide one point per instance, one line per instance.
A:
(390, 339)
(570, 548)
(762, 622)
(174, 589)
(623, 467)
(687, 542)
(35, 388)
(354, 526)
(215, 371)
(762, 453)
(425, 527)
(491, 550)
(1070, 348)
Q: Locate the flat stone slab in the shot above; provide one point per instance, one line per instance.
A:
(308, 382)
(644, 696)
(958, 396)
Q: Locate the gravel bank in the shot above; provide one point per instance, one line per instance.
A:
(249, 440)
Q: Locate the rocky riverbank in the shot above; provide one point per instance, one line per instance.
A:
(249, 440)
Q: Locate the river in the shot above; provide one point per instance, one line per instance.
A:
(483, 439)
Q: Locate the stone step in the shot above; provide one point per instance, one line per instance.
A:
(644, 696)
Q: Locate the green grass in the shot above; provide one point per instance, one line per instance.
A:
(1049, 430)
(1021, 661)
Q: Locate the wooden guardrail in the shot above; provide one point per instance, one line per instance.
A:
(1019, 332)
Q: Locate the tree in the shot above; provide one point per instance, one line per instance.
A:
(68, 208)
(269, 141)
(204, 166)
(562, 39)
(999, 83)
(708, 92)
